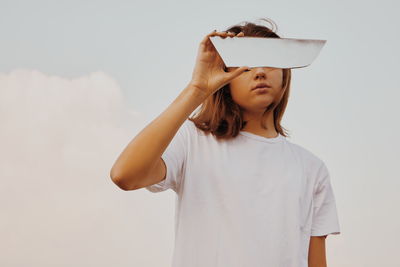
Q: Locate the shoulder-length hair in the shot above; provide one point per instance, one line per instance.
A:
(221, 116)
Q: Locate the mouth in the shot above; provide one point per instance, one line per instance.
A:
(261, 86)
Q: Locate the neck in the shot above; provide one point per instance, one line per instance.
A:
(253, 124)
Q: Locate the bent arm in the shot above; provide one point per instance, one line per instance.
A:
(141, 156)
(316, 252)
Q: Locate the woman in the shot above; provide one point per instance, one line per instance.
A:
(246, 196)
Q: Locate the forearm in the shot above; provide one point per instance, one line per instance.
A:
(316, 252)
(149, 144)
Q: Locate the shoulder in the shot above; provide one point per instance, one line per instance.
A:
(305, 153)
(312, 163)
(191, 128)
(187, 127)
(189, 131)
(188, 124)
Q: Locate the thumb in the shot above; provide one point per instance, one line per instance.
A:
(237, 72)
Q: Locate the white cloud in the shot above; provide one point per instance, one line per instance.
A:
(59, 138)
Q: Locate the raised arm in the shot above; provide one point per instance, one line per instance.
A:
(140, 163)
(142, 154)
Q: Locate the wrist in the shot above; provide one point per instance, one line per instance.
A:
(197, 91)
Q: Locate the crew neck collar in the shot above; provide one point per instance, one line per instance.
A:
(275, 139)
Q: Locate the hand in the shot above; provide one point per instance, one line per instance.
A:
(209, 74)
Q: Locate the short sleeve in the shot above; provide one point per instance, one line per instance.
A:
(174, 158)
(325, 218)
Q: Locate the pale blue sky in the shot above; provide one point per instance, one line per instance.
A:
(344, 107)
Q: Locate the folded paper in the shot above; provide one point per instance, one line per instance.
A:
(267, 51)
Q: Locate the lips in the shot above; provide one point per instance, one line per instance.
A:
(261, 85)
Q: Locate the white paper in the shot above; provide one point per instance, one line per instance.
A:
(267, 52)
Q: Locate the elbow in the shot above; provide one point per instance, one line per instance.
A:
(120, 184)
(119, 181)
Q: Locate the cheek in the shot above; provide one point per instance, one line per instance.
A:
(239, 84)
(237, 95)
(235, 88)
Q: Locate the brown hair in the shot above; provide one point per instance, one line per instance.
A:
(221, 116)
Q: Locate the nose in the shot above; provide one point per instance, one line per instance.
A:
(260, 72)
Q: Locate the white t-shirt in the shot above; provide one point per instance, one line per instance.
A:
(251, 201)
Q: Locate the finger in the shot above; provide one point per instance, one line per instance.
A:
(210, 45)
(224, 35)
(221, 34)
(205, 43)
(206, 38)
(237, 72)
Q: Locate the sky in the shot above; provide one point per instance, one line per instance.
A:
(79, 79)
